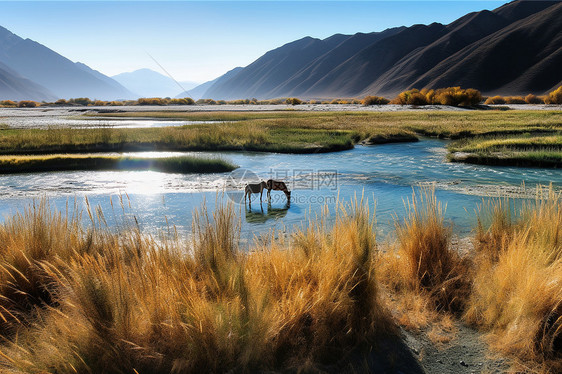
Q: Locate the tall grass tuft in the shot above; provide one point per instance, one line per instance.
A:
(138, 304)
(517, 292)
(425, 263)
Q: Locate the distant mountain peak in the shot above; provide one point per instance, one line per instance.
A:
(61, 77)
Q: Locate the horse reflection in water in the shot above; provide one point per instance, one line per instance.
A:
(259, 215)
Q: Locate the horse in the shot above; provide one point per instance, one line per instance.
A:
(254, 188)
(277, 186)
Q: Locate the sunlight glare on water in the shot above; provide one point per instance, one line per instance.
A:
(385, 173)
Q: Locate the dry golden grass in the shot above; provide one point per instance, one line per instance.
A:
(517, 293)
(424, 262)
(124, 302)
(92, 299)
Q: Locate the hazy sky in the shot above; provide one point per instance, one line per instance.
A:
(198, 41)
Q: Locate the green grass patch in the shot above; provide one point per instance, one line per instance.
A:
(280, 131)
(526, 150)
(180, 164)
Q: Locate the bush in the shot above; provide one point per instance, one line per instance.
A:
(374, 100)
(554, 97)
(532, 99)
(151, 101)
(61, 102)
(8, 103)
(27, 104)
(206, 102)
(81, 101)
(514, 100)
(410, 97)
(495, 100)
(293, 101)
(455, 96)
(184, 101)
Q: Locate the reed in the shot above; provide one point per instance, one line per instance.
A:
(126, 302)
(517, 289)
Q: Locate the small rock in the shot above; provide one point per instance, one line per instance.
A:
(463, 363)
(440, 361)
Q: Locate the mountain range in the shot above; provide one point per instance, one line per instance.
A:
(514, 49)
(29, 70)
(200, 91)
(149, 83)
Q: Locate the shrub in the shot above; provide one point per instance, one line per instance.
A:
(554, 97)
(514, 100)
(495, 100)
(532, 99)
(410, 97)
(27, 104)
(184, 101)
(206, 102)
(81, 101)
(293, 101)
(61, 102)
(8, 103)
(374, 100)
(454, 96)
(151, 101)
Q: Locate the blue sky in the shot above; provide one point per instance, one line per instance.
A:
(198, 41)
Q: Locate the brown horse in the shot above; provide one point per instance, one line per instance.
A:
(254, 188)
(277, 186)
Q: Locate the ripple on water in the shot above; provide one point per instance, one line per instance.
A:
(386, 173)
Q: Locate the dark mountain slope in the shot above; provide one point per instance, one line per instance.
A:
(356, 73)
(520, 58)
(321, 66)
(263, 76)
(55, 72)
(514, 49)
(462, 32)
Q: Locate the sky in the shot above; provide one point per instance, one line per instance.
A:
(201, 40)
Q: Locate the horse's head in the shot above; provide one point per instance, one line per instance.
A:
(269, 184)
(263, 184)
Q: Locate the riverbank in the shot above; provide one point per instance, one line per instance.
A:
(278, 131)
(329, 297)
(540, 150)
(67, 162)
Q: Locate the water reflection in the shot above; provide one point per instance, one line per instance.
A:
(260, 215)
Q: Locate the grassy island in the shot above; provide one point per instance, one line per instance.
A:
(64, 162)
